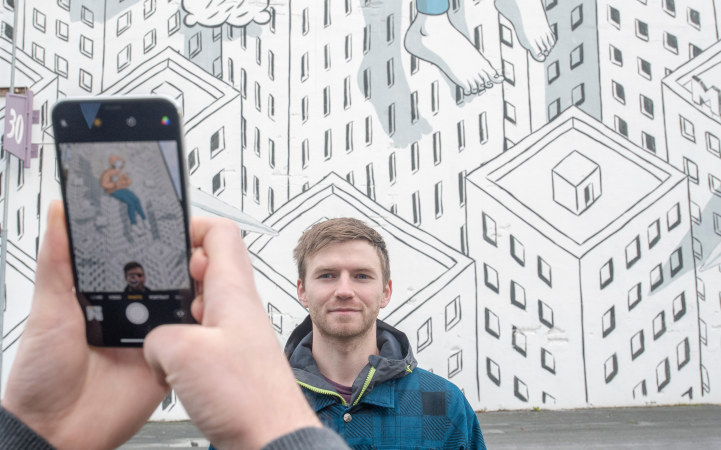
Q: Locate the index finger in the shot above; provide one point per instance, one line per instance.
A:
(228, 284)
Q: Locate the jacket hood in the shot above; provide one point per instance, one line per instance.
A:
(394, 360)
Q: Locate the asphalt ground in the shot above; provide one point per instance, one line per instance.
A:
(662, 427)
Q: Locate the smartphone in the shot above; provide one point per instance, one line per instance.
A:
(123, 183)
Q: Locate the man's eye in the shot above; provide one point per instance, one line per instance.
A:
(363, 276)
(325, 275)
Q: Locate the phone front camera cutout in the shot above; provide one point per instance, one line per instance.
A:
(131, 121)
(165, 120)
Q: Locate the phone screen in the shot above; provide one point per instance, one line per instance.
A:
(126, 211)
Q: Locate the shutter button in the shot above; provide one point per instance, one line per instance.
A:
(347, 417)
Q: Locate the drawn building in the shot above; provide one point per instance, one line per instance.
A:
(639, 44)
(29, 192)
(535, 93)
(213, 156)
(692, 110)
(577, 230)
(328, 87)
(106, 39)
(436, 311)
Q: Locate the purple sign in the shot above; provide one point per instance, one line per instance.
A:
(19, 120)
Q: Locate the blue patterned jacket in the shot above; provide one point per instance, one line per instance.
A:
(394, 404)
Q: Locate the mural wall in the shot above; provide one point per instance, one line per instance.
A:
(547, 173)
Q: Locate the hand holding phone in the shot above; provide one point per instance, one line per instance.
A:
(123, 182)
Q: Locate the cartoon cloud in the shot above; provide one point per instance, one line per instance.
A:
(213, 13)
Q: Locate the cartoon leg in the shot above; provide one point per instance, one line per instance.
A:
(529, 20)
(132, 201)
(431, 37)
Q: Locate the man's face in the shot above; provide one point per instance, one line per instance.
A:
(344, 289)
(135, 278)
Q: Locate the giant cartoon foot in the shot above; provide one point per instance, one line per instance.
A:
(433, 38)
(531, 25)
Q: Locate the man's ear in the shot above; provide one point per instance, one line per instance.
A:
(387, 291)
(301, 293)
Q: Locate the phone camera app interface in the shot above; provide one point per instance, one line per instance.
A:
(126, 219)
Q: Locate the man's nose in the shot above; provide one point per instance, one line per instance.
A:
(344, 288)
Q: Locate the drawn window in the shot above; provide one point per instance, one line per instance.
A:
(518, 251)
(326, 56)
(553, 71)
(304, 67)
(608, 321)
(348, 47)
(461, 135)
(217, 142)
(694, 18)
(493, 371)
(438, 196)
(271, 153)
(519, 341)
(392, 168)
(713, 144)
(38, 53)
(702, 331)
(390, 29)
(148, 8)
(509, 112)
(520, 389)
(683, 353)
(577, 57)
(493, 325)
(670, 42)
(366, 39)
(697, 248)
(62, 30)
(64, 4)
(640, 390)
(614, 17)
(618, 91)
(87, 16)
(656, 277)
(694, 51)
(554, 109)
(489, 230)
(687, 129)
(669, 6)
(349, 137)
(606, 273)
(326, 100)
(436, 148)
(576, 17)
(482, 128)
(663, 374)
(621, 126)
(518, 295)
(327, 144)
(86, 80)
(548, 361)
(610, 368)
(644, 68)
(654, 233)
(61, 66)
(509, 72)
(256, 143)
(551, 4)
(490, 277)
(616, 55)
(695, 213)
(425, 335)
(390, 72)
(545, 314)
(641, 30)
(150, 39)
(578, 94)
(123, 58)
(39, 20)
(637, 345)
(271, 65)
(455, 363)
(659, 325)
(416, 199)
(646, 106)
(714, 185)
(218, 182)
(194, 45)
(506, 36)
(305, 21)
(453, 313)
(86, 46)
(648, 142)
(673, 217)
(634, 296)
(305, 153)
(633, 252)
(544, 271)
(20, 216)
(415, 162)
(303, 108)
(462, 187)
(367, 83)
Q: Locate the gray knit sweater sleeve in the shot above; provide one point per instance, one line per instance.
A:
(16, 435)
(309, 438)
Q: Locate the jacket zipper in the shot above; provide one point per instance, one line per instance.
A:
(367, 382)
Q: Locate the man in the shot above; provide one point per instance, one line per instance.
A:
(116, 183)
(135, 277)
(63, 393)
(357, 372)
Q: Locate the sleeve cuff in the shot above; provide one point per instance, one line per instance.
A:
(14, 434)
(308, 438)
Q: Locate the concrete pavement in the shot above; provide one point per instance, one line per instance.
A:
(658, 428)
